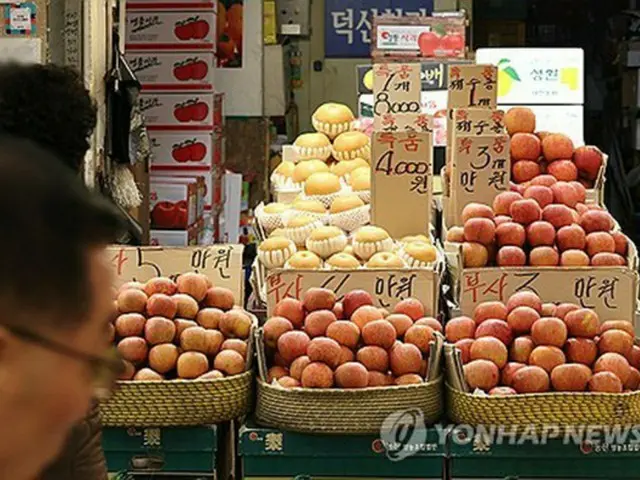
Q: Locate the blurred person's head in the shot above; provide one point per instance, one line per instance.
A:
(55, 303)
(49, 105)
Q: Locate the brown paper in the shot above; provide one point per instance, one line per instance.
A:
(222, 264)
(481, 171)
(387, 287)
(472, 86)
(401, 166)
(610, 291)
(477, 121)
(396, 90)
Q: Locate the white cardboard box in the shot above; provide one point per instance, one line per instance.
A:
(178, 111)
(176, 29)
(182, 150)
(173, 70)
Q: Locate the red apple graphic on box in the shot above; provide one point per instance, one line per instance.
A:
(200, 29)
(183, 30)
(163, 215)
(428, 42)
(198, 151)
(182, 112)
(181, 152)
(182, 214)
(452, 44)
(199, 69)
(182, 71)
(199, 111)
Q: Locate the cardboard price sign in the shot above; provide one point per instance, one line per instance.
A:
(472, 86)
(222, 264)
(401, 176)
(610, 291)
(482, 170)
(478, 121)
(387, 287)
(396, 93)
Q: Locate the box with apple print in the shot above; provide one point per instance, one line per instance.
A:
(178, 111)
(176, 70)
(173, 202)
(181, 150)
(206, 175)
(170, 29)
(175, 238)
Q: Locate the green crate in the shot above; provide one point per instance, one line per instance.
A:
(597, 457)
(268, 453)
(175, 450)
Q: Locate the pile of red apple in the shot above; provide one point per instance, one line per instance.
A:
(526, 346)
(319, 342)
(539, 153)
(186, 329)
(545, 226)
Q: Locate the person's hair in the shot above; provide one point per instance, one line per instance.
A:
(49, 105)
(50, 224)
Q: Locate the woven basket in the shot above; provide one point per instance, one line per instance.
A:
(175, 403)
(339, 411)
(178, 402)
(535, 410)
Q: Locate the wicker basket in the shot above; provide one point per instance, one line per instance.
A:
(344, 411)
(174, 403)
(178, 402)
(535, 410)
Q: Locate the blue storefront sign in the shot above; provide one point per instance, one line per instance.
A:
(348, 23)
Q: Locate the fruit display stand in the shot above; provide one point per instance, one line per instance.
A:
(474, 458)
(280, 454)
(531, 366)
(187, 346)
(394, 371)
(178, 450)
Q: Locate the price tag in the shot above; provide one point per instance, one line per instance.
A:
(396, 96)
(387, 287)
(222, 264)
(610, 291)
(401, 176)
(482, 171)
(478, 121)
(472, 86)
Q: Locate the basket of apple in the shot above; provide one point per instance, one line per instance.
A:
(187, 350)
(526, 363)
(342, 367)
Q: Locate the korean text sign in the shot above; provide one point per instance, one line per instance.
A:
(387, 287)
(348, 22)
(610, 291)
(481, 170)
(222, 264)
(401, 182)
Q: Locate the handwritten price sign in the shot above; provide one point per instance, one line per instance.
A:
(387, 287)
(472, 86)
(610, 291)
(221, 263)
(478, 121)
(481, 170)
(397, 106)
(402, 166)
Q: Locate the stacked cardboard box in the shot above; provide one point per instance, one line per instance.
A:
(171, 48)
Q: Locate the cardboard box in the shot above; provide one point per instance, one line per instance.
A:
(177, 29)
(178, 111)
(279, 454)
(218, 111)
(175, 238)
(221, 263)
(208, 190)
(179, 70)
(173, 203)
(182, 150)
(175, 449)
(611, 292)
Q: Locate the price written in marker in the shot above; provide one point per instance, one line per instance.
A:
(478, 121)
(397, 92)
(482, 170)
(387, 287)
(402, 166)
(609, 291)
(222, 264)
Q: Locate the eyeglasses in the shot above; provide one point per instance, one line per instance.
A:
(104, 370)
